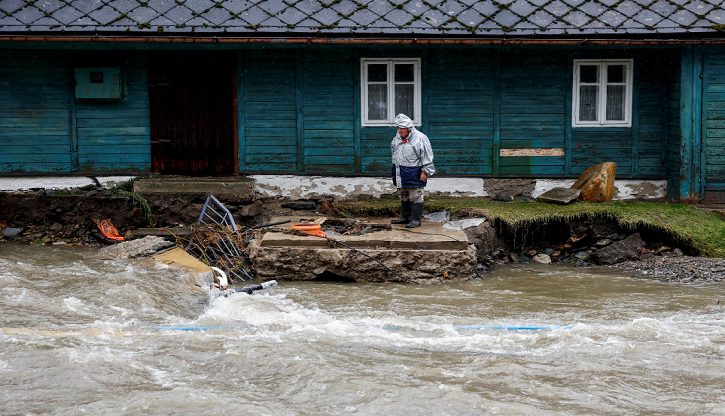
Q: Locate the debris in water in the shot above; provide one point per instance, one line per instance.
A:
(108, 230)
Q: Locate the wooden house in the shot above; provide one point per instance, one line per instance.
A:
(516, 88)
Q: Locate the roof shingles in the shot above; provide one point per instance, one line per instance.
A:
(369, 17)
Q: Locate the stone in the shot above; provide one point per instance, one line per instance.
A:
(661, 249)
(622, 236)
(514, 257)
(87, 187)
(597, 183)
(549, 251)
(56, 227)
(561, 196)
(300, 205)
(49, 192)
(603, 242)
(79, 232)
(252, 209)
(581, 255)
(106, 193)
(542, 258)
(620, 251)
(613, 236)
(679, 252)
(91, 193)
(60, 243)
(12, 232)
(144, 247)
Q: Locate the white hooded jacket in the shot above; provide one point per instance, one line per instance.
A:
(414, 151)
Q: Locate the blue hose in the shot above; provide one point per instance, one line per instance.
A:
(504, 327)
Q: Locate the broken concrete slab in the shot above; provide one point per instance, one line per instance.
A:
(206, 186)
(561, 196)
(429, 234)
(182, 258)
(143, 247)
(165, 233)
(422, 266)
(430, 254)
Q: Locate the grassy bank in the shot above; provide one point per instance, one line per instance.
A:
(699, 229)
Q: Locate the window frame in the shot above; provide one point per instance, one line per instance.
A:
(417, 99)
(602, 85)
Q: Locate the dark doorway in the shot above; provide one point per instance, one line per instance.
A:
(193, 112)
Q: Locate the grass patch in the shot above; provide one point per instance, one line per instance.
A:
(702, 230)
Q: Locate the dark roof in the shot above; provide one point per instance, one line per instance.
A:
(403, 18)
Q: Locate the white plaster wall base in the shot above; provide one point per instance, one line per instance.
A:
(302, 187)
(24, 183)
(624, 188)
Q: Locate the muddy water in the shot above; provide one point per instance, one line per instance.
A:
(85, 335)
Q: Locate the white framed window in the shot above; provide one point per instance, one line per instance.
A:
(602, 93)
(389, 87)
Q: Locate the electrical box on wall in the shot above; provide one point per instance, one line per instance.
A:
(98, 83)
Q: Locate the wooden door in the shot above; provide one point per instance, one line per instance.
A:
(193, 112)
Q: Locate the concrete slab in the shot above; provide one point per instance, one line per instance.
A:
(166, 233)
(561, 196)
(184, 259)
(208, 186)
(430, 235)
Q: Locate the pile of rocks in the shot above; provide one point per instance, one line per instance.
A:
(87, 190)
(682, 269)
(588, 250)
(56, 234)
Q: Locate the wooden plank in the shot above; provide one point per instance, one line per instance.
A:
(271, 141)
(357, 111)
(133, 149)
(635, 120)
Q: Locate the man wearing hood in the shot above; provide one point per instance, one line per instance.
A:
(412, 165)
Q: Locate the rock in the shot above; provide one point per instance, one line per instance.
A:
(325, 206)
(531, 253)
(79, 232)
(597, 183)
(561, 196)
(678, 252)
(661, 249)
(622, 236)
(252, 209)
(514, 257)
(581, 255)
(549, 251)
(619, 251)
(49, 192)
(486, 240)
(106, 193)
(12, 232)
(56, 227)
(525, 259)
(60, 243)
(603, 242)
(87, 187)
(169, 234)
(613, 236)
(300, 205)
(557, 253)
(91, 193)
(542, 258)
(143, 247)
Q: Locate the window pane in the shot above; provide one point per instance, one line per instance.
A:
(404, 100)
(615, 102)
(404, 73)
(378, 73)
(588, 98)
(615, 73)
(589, 73)
(377, 102)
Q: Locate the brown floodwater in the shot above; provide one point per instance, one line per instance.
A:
(81, 334)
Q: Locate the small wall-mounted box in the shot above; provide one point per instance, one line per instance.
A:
(98, 83)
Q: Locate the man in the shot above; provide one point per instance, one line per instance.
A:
(412, 165)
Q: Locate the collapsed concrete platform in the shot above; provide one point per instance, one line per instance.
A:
(428, 254)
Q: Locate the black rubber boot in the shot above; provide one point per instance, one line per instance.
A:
(405, 217)
(416, 211)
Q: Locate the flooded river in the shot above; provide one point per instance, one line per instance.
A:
(86, 335)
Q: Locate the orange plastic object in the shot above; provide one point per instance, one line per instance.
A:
(108, 230)
(310, 228)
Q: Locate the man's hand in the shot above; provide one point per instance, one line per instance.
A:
(423, 176)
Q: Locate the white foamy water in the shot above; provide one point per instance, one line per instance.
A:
(86, 335)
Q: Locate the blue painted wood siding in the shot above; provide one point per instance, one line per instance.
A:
(478, 101)
(34, 112)
(673, 137)
(44, 129)
(115, 136)
(713, 132)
